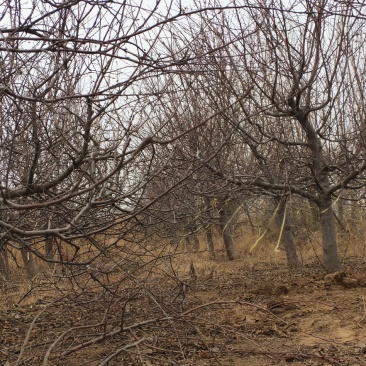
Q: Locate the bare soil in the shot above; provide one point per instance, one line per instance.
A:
(228, 313)
(295, 318)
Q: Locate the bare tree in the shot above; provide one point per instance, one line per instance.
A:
(75, 154)
(78, 149)
(295, 60)
(119, 120)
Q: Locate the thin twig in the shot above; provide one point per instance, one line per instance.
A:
(17, 362)
(116, 353)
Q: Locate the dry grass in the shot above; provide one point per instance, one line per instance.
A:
(164, 255)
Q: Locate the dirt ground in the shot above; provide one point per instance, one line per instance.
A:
(235, 313)
(301, 318)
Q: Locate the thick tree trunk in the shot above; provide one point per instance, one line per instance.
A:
(226, 232)
(329, 239)
(287, 236)
(321, 177)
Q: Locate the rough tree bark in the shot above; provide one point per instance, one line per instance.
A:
(287, 235)
(28, 262)
(226, 229)
(50, 252)
(329, 240)
(324, 202)
(4, 263)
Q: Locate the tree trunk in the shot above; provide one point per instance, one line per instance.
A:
(249, 218)
(28, 262)
(321, 177)
(340, 212)
(193, 228)
(210, 242)
(192, 242)
(4, 263)
(49, 249)
(196, 242)
(313, 217)
(226, 232)
(188, 243)
(329, 239)
(209, 236)
(287, 236)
